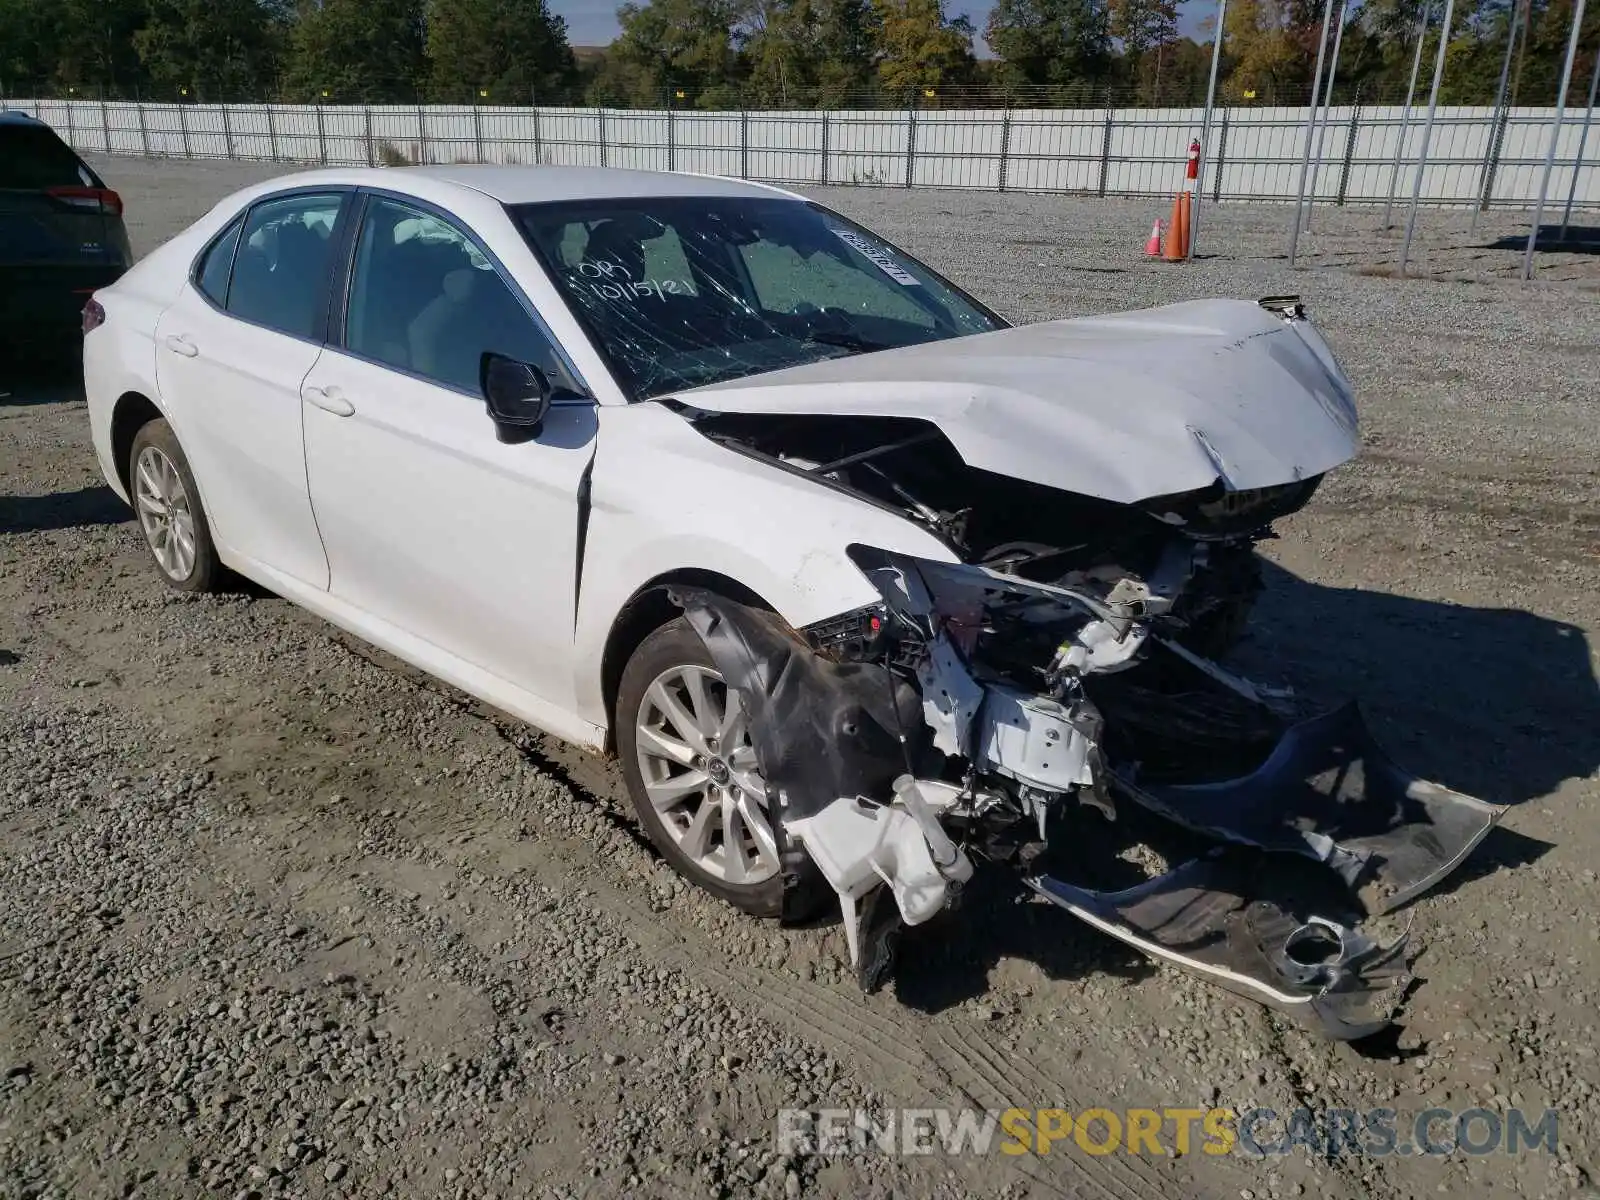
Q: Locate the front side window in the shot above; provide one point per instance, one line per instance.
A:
(426, 299)
(280, 273)
(683, 291)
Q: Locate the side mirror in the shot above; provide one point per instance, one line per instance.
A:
(517, 395)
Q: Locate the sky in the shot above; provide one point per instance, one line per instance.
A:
(594, 22)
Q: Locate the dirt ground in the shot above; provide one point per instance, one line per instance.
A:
(282, 917)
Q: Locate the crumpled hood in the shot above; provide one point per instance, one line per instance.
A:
(1124, 407)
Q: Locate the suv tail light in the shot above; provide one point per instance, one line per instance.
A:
(101, 200)
(94, 315)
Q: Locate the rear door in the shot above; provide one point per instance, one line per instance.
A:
(60, 227)
(231, 354)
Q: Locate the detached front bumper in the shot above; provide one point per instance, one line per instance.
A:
(1257, 918)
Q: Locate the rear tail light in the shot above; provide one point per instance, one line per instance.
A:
(94, 315)
(101, 200)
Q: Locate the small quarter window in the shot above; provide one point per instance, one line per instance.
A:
(212, 278)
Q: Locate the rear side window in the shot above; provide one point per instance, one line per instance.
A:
(212, 278)
(31, 156)
(280, 273)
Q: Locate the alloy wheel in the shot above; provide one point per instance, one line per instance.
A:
(699, 770)
(164, 513)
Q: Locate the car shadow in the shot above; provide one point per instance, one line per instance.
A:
(1498, 703)
(63, 510)
(1580, 239)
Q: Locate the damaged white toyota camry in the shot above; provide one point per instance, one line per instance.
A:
(862, 584)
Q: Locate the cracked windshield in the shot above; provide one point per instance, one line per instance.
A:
(681, 292)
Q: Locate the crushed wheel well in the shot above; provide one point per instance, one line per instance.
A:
(646, 611)
(132, 413)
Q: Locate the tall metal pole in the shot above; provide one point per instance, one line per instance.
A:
(1427, 132)
(1499, 103)
(1311, 117)
(1327, 104)
(1583, 141)
(1205, 129)
(1405, 116)
(1555, 135)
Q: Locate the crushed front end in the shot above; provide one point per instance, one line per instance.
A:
(978, 714)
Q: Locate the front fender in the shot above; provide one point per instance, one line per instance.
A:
(664, 499)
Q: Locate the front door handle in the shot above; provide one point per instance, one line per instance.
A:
(329, 399)
(179, 343)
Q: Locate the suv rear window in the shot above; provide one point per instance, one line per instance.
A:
(34, 157)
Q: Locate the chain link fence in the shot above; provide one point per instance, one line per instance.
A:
(1478, 156)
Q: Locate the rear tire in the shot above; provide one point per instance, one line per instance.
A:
(171, 517)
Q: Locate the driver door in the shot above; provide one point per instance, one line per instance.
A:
(432, 526)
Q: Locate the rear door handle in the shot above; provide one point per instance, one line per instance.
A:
(329, 399)
(179, 343)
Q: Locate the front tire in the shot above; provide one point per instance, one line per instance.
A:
(167, 504)
(691, 771)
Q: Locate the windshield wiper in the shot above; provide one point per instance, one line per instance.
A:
(850, 341)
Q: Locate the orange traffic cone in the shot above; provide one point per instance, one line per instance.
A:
(1152, 248)
(1177, 247)
(1173, 250)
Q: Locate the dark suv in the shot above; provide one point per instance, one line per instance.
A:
(61, 233)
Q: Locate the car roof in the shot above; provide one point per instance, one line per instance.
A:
(531, 185)
(12, 116)
(524, 185)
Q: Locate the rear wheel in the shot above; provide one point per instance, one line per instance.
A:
(691, 771)
(171, 518)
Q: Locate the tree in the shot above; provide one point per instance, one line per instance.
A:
(356, 50)
(919, 46)
(809, 51)
(1266, 51)
(516, 50)
(221, 49)
(1059, 44)
(671, 46)
(90, 44)
(1143, 26)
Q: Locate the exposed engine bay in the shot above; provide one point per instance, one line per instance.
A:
(1061, 671)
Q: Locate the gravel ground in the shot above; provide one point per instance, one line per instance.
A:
(281, 917)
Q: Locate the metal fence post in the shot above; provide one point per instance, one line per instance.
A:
(1005, 147)
(1583, 141)
(183, 124)
(1105, 146)
(72, 125)
(144, 130)
(672, 136)
(602, 114)
(366, 113)
(824, 146)
(422, 135)
(1491, 162)
(322, 137)
(477, 131)
(538, 137)
(105, 122)
(744, 144)
(1349, 155)
(911, 143)
(272, 133)
(1492, 166)
(1222, 157)
(227, 130)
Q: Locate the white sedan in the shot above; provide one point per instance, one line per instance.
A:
(861, 582)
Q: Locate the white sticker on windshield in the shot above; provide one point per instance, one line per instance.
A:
(879, 257)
